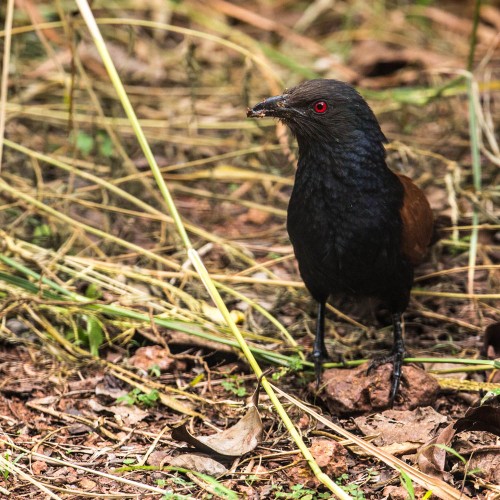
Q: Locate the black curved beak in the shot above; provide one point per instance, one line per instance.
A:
(272, 106)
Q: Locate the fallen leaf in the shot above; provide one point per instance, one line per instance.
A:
(431, 458)
(488, 463)
(233, 442)
(401, 493)
(87, 384)
(129, 415)
(409, 427)
(199, 463)
(158, 458)
(65, 475)
(104, 388)
(482, 418)
(87, 484)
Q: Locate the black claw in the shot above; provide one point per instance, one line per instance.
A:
(318, 368)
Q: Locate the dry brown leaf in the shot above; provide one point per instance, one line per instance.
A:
(199, 463)
(488, 463)
(483, 418)
(87, 484)
(233, 442)
(129, 415)
(158, 458)
(401, 493)
(406, 427)
(86, 384)
(431, 458)
(105, 389)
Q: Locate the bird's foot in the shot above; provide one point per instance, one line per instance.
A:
(396, 359)
(319, 356)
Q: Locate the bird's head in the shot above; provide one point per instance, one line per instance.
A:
(323, 111)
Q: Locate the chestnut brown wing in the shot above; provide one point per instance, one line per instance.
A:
(418, 222)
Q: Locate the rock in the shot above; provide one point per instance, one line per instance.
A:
(358, 391)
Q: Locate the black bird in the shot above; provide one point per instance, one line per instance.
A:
(356, 227)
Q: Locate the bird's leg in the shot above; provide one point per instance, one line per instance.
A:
(398, 352)
(319, 350)
(396, 357)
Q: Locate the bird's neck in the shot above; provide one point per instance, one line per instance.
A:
(349, 163)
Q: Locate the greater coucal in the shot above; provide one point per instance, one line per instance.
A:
(356, 227)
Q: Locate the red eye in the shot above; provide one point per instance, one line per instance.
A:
(320, 107)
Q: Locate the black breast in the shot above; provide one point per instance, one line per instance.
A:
(345, 227)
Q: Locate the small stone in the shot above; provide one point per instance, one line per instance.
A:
(360, 391)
